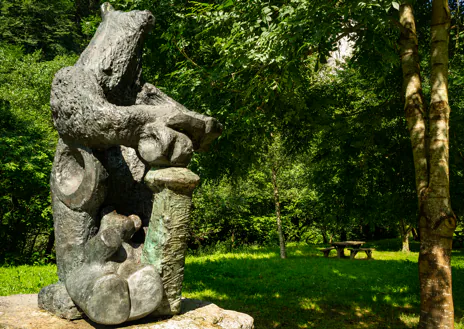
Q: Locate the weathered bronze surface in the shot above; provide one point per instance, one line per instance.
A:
(113, 128)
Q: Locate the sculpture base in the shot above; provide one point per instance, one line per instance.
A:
(22, 312)
(55, 299)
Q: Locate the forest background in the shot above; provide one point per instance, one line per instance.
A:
(325, 148)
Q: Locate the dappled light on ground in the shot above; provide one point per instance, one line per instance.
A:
(310, 291)
(304, 291)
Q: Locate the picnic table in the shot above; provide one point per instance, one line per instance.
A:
(355, 247)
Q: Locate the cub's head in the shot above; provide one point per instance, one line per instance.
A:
(115, 52)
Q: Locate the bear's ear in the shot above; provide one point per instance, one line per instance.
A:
(106, 8)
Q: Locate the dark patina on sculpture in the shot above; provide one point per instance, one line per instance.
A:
(119, 247)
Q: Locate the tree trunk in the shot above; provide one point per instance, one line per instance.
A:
(283, 252)
(405, 243)
(31, 249)
(404, 231)
(325, 239)
(232, 241)
(50, 244)
(415, 234)
(436, 218)
(343, 235)
(405, 236)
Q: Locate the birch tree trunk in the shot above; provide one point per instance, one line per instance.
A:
(405, 243)
(283, 252)
(436, 218)
(415, 235)
(405, 230)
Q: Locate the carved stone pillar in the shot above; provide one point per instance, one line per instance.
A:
(166, 240)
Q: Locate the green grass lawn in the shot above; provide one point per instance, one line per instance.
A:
(304, 291)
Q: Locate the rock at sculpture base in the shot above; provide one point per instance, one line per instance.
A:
(22, 312)
(55, 299)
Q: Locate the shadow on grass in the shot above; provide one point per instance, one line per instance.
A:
(310, 291)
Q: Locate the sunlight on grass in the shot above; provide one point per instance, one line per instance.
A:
(219, 257)
(313, 291)
(341, 275)
(306, 290)
(395, 255)
(26, 279)
(411, 321)
(309, 304)
(206, 294)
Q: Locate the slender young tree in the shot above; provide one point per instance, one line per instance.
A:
(405, 230)
(275, 159)
(430, 140)
(283, 252)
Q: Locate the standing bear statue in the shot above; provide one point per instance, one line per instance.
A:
(119, 247)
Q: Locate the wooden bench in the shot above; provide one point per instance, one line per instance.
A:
(326, 251)
(354, 251)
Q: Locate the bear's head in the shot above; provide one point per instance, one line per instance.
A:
(115, 52)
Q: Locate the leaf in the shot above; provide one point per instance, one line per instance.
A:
(266, 10)
(396, 5)
(227, 4)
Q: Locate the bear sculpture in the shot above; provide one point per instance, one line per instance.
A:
(113, 128)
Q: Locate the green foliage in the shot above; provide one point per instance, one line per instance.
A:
(233, 212)
(242, 211)
(358, 158)
(258, 67)
(45, 25)
(89, 25)
(344, 160)
(456, 96)
(27, 141)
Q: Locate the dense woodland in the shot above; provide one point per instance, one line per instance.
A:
(326, 145)
(323, 149)
(315, 149)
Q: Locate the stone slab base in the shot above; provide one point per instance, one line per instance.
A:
(22, 312)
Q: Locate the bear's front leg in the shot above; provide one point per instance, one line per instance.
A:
(164, 131)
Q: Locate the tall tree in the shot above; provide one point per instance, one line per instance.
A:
(275, 159)
(429, 138)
